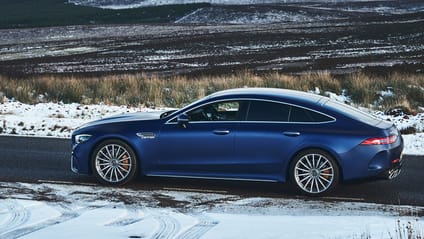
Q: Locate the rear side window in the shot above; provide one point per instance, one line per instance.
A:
(298, 114)
(268, 111)
(279, 112)
(352, 112)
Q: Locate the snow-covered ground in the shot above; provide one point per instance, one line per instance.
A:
(48, 210)
(59, 120)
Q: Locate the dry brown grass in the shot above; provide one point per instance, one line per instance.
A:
(137, 89)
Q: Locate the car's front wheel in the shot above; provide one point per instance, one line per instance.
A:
(114, 162)
(314, 172)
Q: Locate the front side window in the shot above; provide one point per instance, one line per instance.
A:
(219, 111)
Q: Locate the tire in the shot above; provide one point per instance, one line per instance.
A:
(314, 172)
(114, 163)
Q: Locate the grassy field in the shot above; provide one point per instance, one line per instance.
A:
(43, 13)
(139, 90)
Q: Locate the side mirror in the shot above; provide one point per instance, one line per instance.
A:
(183, 120)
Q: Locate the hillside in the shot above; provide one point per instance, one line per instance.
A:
(45, 13)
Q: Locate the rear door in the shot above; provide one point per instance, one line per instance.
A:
(265, 139)
(271, 135)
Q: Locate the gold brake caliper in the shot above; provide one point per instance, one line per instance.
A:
(125, 162)
(327, 172)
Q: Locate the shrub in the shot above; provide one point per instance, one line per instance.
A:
(176, 91)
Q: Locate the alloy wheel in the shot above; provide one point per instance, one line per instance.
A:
(114, 163)
(315, 173)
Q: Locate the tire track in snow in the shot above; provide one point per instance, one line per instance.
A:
(66, 214)
(131, 218)
(16, 214)
(204, 225)
(168, 226)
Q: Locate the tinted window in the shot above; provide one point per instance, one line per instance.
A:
(268, 111)
(221, 111)
(353, 112)
(298, 114)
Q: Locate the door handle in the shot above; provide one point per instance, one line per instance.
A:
(221, 132)
(291, 133)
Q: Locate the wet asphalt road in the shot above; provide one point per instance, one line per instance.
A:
(30, 159)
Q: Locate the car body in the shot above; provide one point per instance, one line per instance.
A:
(260, 134)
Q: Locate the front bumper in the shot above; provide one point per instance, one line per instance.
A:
(74, 169)
(79, 159)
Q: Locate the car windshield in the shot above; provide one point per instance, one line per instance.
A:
(178, 111)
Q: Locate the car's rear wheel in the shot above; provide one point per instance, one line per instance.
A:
(114, 162)
(314, 172)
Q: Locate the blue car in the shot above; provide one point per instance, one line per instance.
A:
(258, 134)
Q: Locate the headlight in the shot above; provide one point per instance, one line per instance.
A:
(81, 138)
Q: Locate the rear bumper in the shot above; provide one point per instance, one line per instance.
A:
(394, 170)
(373, 161)
(388, 162)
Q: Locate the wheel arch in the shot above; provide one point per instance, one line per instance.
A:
(110, 138)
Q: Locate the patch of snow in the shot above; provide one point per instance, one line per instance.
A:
(404, 121)
(173, 57)
(111, 4)
(386, 93)
(124, 4)
(44, 52)
(51, 119)
(414, 144)
(240, 226)
(340, 98)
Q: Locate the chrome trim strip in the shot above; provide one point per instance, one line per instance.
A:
(258, 122)
(214, 178)
(73, 168)
(146, 135)
(291, 134)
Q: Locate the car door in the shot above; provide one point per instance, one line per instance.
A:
(203, 146)
(266, 139)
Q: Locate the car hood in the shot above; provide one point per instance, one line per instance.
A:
(133, 116)
(130, 117)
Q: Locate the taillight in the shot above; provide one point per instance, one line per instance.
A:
(380, 141)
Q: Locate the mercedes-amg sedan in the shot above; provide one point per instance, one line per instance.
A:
(259, 134)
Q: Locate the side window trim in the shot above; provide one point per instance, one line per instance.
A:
(245, 107)
(289, 115)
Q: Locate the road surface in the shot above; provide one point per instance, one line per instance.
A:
(32, 159)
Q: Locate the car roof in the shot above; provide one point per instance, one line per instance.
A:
(273, 93)
(304, 98)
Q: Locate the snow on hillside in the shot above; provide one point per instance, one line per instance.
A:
(122, 4)
(59, 120)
